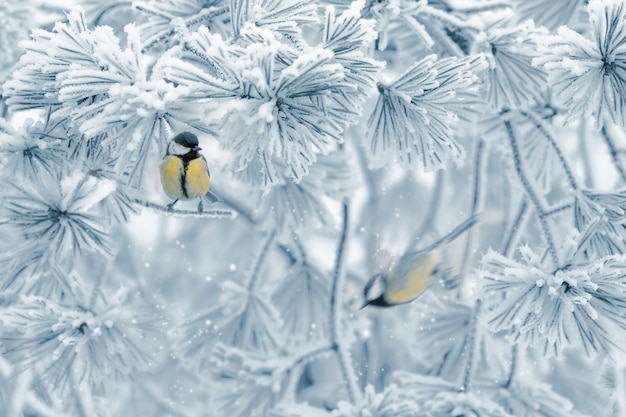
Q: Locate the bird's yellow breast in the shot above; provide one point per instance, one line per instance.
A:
(184, 181)
(197, 178)
(171, 173)
(407, 288)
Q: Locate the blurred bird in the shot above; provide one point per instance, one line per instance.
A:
(408, 277)
(184, 171)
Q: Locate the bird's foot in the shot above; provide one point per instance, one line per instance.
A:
(200, 206)
(170, 206)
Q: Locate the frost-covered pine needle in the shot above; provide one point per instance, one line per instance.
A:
(588, 72)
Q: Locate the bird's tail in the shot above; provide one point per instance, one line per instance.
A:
(453, 235)
(211, 197)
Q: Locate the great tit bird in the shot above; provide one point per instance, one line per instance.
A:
(408, 277)
(184, 171)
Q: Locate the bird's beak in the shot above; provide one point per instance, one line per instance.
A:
(197, 148)
(365, 304)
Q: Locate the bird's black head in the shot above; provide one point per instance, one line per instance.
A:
(185, 143)
(187, 139)
(374, 290)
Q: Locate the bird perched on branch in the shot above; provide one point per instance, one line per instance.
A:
(184, 170)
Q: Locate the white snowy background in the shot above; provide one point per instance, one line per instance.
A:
(337, 134)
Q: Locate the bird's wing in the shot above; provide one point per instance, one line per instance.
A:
(410, 277)
(383, 260)
(197, 179)
(171, 170)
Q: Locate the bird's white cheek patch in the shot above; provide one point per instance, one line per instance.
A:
(377, 289)
(177, 149)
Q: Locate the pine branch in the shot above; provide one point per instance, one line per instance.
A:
(477, 196)
(614, 154)
(371, 205)
(555, 210)
(471, 346)
(429, 220)
(479, 7)
(478, 167)
(258, 263)
(347, 371)
(95, 290)
(449, 20)
(108, 8)
(513, 367)
(206, 214)
(242, 212)
(536, 200)
(311, 354)
(541, 127)
(583, 151)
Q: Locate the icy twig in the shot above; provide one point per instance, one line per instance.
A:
(543, 129)
(583, 151)
(471, 347)
(206, 214)
(310, 355)
(614, 154)
(513, 367)
(535, 198)
(207, 14)
(476, 193)
(449, 20)
(478, 7)
(259, 260)
(428, 222)
(98, 18)
(558, 209)
(347, 371)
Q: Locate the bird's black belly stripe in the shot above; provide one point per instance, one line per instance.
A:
(183, 179)
(188, 157)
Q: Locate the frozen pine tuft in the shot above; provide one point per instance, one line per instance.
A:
(511, 81)
(393, 401)
(551, 310)
(415, 115)
(587, 69)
